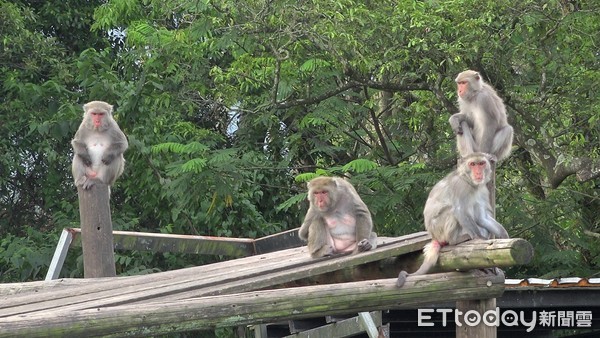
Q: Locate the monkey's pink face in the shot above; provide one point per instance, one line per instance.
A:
(463, 87)
(321, 199)
(477, 171)
(97, 118)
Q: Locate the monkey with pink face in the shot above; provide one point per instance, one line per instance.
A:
(98, 147)
(481, 125)
(458, 209)
(337, 221)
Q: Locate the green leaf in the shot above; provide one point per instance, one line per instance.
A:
(360, 165)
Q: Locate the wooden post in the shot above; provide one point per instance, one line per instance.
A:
(481, 330)
(96, 232)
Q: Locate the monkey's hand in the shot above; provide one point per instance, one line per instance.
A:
(491, 157)
(303, 232)
(455, 124)
(364, 245)
(86, 159)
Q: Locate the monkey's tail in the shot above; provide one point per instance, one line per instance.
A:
(431, 252)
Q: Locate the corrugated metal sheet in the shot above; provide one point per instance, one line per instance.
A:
(567, 282)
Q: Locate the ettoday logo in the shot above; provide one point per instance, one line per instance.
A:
(495, 317)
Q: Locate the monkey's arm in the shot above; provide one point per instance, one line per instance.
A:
(364, 224)
(485, 219)
(80, 150)
(304, 228)
(118, 145)
(455, 121)
(464, 206)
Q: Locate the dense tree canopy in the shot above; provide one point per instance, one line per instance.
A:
(230, 106)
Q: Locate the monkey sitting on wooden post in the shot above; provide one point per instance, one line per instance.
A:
(98, 147)
(337, 221)
(458, 209)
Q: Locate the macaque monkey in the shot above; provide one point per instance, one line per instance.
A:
(458, 209)
(481, 126)
(98, 147)
(337, 221)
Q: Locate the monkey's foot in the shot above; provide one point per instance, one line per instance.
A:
(364, 245)
(401, 278)
(495, 271)
(88, 184)
(325, 251)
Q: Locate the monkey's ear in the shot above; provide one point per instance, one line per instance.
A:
(336, 181)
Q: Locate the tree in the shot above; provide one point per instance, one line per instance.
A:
(230, 106)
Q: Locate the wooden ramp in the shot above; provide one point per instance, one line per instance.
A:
(233, 276)
(254, 290)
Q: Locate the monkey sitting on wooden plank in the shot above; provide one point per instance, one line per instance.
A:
(337, 221)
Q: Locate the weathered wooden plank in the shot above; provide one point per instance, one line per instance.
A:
(280, 241)
(253, 307)
(343, 328)
(23, 289)
(164, 283)
(155, 242)
(244, 274)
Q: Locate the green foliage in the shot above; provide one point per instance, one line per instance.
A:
(26, 258)
(230, 107)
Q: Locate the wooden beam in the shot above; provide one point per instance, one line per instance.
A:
(60, 253)
(155, 242)
(343, 328)
(253, 307)
(473, 254)
(283, 240)
(96, 232)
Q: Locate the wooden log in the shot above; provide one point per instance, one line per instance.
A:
(253, 307)
(473, 254)
(96, 232)
(484, 254)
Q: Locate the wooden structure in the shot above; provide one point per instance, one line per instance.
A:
(258, 289)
